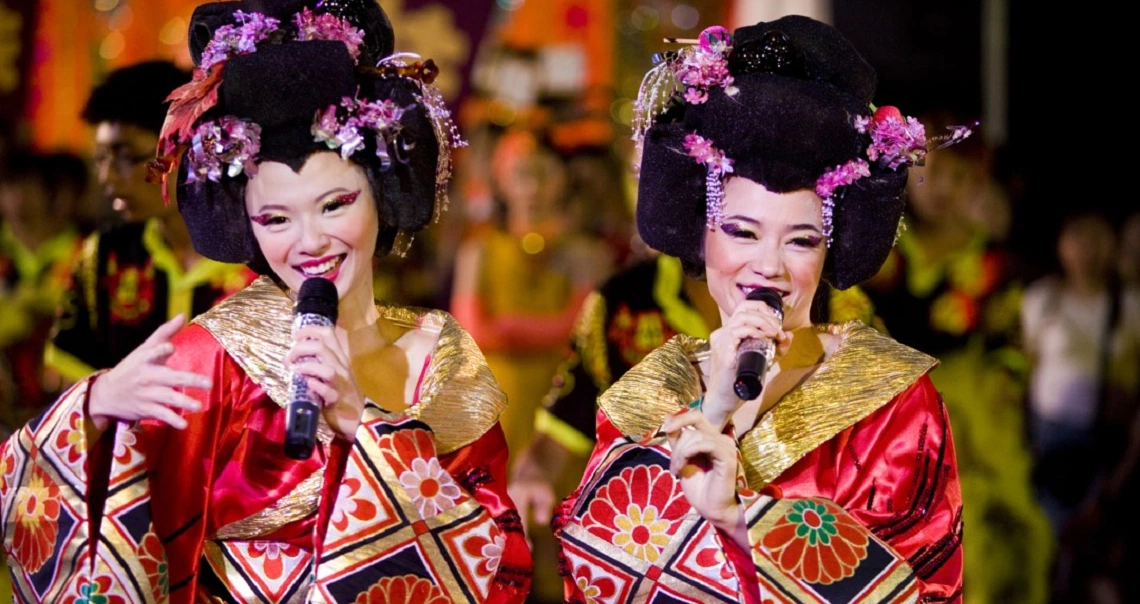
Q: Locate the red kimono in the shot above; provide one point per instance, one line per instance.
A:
(415, 509)
(863, 444)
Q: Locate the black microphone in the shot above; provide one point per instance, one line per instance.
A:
(316, 305)
(755, 355)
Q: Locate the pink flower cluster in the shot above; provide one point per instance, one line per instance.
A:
(231, 40)
(342, 126)
(228, 143)
(704, 67)
(718, 166)
(841, 176)
(894, 142)
(311, 26)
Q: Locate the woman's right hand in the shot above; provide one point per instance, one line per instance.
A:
(750, 319)
(141, 386)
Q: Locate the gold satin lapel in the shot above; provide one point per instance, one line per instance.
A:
(663, 382)
(867, 370)
(459, 398)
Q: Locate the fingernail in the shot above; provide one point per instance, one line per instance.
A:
(205, 383)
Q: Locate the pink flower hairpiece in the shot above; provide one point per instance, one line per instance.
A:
(687, 75)
(703, 67)
(224, 147)
(718, 166)
(325, 26)
(343, 126)
(896, 142)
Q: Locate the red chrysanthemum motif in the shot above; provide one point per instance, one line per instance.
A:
(349, 504)
(638, 511)
(69, 441)
(407, 589)
(404, 446)
(274, 554)
(152, 556)
(489, 552)
(817, 542)
(99, 591)
(594, 589)
(37, 514)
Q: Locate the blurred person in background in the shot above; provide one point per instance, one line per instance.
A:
(1081, 328)
(135, 276)
(39, 245)
(949, 290)
(518, 286)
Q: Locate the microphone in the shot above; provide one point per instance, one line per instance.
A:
(316, 305)
(755, 355)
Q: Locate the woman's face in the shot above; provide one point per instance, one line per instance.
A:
(321, 222)
(767, 239)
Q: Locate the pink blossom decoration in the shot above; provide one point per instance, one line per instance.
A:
(231, 40)
(228, 146)
(341, 126)
(312, 26)
(718, 166)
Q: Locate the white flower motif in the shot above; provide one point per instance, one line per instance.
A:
(270, 549)
(494, 552)
(345, 504)
(432, 490)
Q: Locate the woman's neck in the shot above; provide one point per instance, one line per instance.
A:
(357, 311)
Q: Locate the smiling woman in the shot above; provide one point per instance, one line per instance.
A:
(304, 149)
(765, 165)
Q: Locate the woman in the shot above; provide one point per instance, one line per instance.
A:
(768, 169)
(164, 478)
(518, 286)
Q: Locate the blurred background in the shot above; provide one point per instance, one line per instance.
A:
(1018, 269)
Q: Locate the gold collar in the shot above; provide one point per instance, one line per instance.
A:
(459, 398)
(866, 371)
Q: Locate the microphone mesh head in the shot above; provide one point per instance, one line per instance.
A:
(770, 297)
(317, 297)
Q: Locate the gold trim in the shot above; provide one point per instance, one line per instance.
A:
(459, 399)
(866, 371)
(663, 382)
(590, 338)
(298, 504)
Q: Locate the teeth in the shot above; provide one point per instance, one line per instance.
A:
(322, 268)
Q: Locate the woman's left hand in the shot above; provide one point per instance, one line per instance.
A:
(705, 462)
(321, 355)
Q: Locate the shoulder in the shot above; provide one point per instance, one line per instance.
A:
(664, 381)
(458, 396)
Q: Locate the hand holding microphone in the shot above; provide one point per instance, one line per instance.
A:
(321, 380)
(743, 350)
(755, 355)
